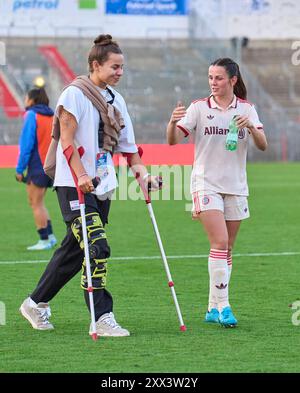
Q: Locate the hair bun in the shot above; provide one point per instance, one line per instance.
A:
(103, 39)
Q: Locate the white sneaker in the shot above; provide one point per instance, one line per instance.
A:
(37, 316)
(107, 326)
(41, 245)
(52, 240)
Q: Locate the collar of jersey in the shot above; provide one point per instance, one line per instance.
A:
(212, 103)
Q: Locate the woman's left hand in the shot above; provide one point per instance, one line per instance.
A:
(19, 177)
(243, 122)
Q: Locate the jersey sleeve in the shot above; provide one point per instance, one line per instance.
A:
(253, 117)
(72, 99)
(188, 123)
(27, 141)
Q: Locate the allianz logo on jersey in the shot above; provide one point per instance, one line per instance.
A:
(35, 4)
(212, 130)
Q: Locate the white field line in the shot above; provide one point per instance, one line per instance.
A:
(133, 258)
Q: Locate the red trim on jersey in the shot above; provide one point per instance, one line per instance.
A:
(200, 99)
(184, 130)
(259, 128)
(196, 203)
(244, 101)
(208, 102)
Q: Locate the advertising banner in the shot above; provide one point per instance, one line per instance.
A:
(147, 7)
(89, 18)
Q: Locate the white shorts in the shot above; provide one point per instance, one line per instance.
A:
(234, 207)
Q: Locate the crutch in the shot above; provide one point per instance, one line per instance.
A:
(158, 238)
(68, 152)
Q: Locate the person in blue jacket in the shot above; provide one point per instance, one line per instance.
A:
(34, 142)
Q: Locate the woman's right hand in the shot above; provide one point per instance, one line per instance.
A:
(178, 113)
(85, 183)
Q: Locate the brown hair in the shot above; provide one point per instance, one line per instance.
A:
(232, 69)
(38, 95)
(103, 45)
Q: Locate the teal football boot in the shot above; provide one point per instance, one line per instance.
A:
(226, 317)
(212, 316)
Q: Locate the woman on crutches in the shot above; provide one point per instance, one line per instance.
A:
(90, 114)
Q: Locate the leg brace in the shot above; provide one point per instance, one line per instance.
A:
(98, 248)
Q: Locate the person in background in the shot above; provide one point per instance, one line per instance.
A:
(219, 181)
(34, 142)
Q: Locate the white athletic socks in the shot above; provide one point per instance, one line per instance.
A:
(229, 264)
(218, 279)
(212, 301)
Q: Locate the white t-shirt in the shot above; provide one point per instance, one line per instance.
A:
(215, 169)
(87, 117)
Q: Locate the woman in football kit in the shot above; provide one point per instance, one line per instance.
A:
(219, 181)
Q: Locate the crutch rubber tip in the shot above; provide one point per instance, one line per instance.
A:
(94, 336)
(183, 328)
(90, 289)
(171, 284)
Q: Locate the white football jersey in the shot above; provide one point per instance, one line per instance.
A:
(87, 116)
(216, 169)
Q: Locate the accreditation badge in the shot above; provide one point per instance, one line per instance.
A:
(105, 170)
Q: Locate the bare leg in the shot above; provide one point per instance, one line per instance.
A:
(215, 227)
(232, 229)
(36, 197)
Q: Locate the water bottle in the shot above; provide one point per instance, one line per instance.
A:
(232, 136)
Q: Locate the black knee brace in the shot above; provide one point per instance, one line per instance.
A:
(98, 249)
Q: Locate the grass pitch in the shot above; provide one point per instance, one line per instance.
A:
(261, 289)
